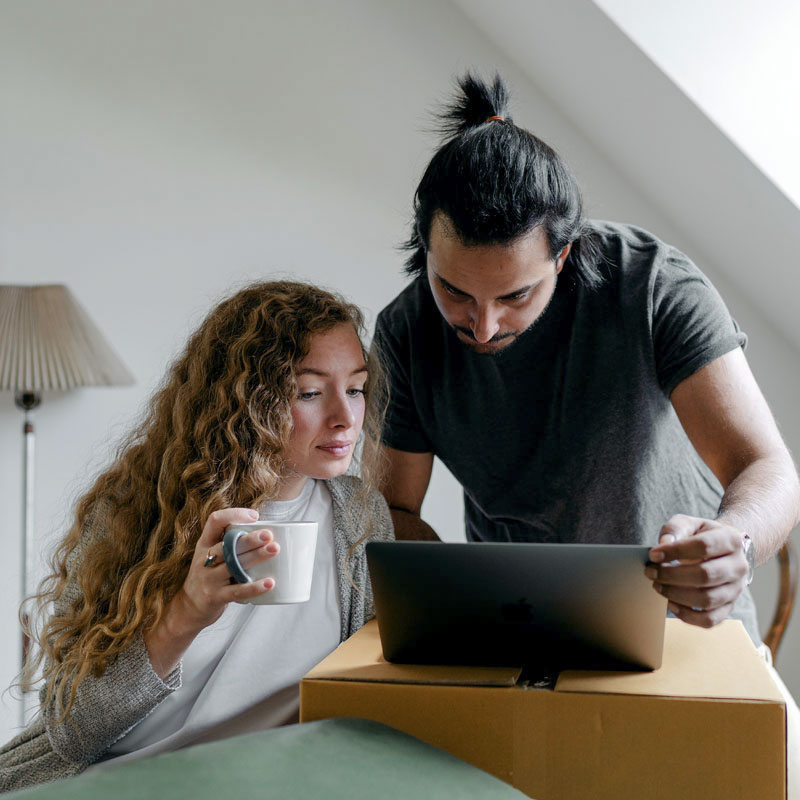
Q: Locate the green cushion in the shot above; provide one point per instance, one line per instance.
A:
(333, 758)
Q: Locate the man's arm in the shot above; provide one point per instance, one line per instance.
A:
(404, 486)
(727, 420)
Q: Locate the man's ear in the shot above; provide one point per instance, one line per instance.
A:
(562, 257)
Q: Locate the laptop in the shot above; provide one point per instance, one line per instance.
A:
(545, 607)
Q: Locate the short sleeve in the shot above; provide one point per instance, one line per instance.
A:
(690, 324)
(402, 429)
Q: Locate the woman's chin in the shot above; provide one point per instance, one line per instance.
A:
(331, 469)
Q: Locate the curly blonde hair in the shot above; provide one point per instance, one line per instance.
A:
(212, 437)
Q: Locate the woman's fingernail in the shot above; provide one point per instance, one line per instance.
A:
(657, 556)
(667, 538)
(650, 573)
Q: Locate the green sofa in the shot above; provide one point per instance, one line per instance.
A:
(335, 758)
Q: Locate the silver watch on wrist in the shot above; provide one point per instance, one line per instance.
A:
(750, 554)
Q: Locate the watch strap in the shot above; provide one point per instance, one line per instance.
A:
(749, 553)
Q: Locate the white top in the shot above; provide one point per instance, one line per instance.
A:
(252, 658)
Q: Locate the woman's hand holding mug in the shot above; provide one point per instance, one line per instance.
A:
(208, 587)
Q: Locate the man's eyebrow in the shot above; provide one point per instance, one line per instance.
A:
(521, 290)
(508, 296)
(449, 285)
(322, 374)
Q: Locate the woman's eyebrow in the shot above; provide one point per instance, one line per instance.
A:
(322, 374)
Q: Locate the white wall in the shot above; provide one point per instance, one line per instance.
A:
(153, 155)
(738, 60)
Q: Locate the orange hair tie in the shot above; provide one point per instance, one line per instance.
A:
(499, 119)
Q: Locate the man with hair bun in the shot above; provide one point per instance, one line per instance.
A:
(582, 380)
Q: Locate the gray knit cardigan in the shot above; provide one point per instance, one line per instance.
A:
(106, 708)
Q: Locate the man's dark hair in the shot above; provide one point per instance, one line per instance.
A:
(496, 182)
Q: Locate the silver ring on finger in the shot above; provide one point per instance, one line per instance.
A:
(211, 559)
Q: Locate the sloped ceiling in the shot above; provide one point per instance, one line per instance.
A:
(660, 141)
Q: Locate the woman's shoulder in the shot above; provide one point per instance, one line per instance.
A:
(344, 485)
(349, 488)
(93, 528)
(349, 492)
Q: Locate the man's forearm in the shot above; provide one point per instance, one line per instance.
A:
(764, 502)
(408, 526)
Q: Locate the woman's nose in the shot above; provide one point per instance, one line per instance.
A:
(341, 414)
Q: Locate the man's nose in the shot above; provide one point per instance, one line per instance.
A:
(484, 324)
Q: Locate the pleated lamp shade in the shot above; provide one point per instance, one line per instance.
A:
(48, 342)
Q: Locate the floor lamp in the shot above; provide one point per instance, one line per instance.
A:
(47, 343)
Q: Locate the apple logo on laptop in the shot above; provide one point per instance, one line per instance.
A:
(517, 613)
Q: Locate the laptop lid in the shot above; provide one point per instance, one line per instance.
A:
(544, 606)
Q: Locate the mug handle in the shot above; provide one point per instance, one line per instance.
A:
(229, 542)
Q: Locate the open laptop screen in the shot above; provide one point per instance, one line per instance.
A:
(543, 606)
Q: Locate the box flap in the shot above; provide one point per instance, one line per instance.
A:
(360, 658)
(729, 668)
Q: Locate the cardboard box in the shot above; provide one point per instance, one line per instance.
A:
(709, 724)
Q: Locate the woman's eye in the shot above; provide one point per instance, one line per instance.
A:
(355, 392)
(308, 395)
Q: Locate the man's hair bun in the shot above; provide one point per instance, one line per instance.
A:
(475, 102)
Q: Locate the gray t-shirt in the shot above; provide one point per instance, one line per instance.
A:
(569, 434)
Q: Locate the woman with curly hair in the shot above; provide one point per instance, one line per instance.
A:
(146, 648)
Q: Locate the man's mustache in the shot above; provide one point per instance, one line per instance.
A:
(497, 338)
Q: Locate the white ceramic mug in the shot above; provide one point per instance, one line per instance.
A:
(292, 569)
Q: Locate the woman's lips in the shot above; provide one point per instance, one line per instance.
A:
(336, 448)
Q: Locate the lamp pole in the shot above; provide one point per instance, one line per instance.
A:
(27, 401)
